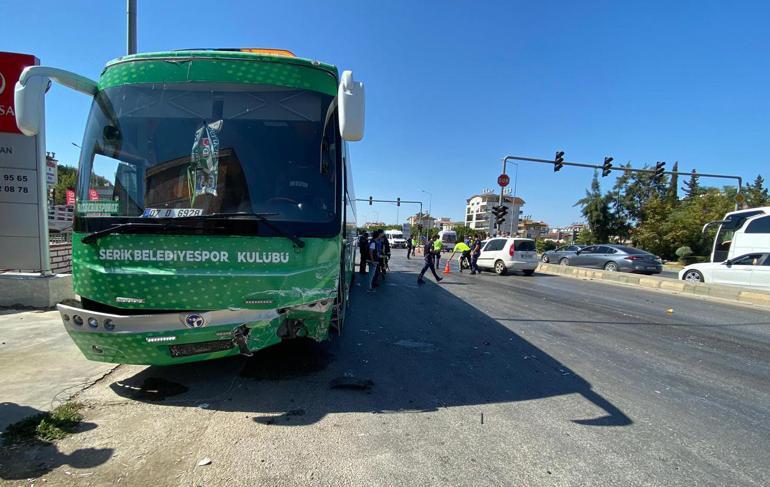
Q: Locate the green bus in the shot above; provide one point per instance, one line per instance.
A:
(215, 212)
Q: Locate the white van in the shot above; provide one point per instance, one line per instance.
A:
(395, 238)
(509, 254)
(741, 232)
(448, 239)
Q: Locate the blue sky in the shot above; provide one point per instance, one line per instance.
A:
(452, 87)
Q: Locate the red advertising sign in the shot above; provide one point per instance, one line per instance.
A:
(503, 180)
(93, 195)
(11, 66)
(70, 197)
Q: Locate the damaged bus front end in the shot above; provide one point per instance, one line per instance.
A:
(214, 207)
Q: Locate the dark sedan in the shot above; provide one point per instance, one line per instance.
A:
(555, 256)
(616, 258)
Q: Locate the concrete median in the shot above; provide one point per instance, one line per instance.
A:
(734, 293)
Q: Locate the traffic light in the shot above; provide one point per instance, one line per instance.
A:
(607, 166)
(398, 201)
(370, 201)
(660, 170)
(499, 212)
(558, 161)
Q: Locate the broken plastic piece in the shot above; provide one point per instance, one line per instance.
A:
(353, 383)
(239, 339)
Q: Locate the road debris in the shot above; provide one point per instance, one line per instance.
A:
(352, 383)
(204, 461)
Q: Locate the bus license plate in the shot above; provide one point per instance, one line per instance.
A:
(171, 212)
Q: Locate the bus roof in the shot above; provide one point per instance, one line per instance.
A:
(272, 55)
(221, 66)
(763, 210)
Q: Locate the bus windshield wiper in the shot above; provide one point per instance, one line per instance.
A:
(261, 217)
(119, 228)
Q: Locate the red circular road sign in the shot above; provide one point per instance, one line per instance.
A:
(503, 180)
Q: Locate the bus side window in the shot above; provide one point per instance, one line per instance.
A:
(760, 225)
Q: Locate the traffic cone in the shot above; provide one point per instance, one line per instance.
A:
(446, 268)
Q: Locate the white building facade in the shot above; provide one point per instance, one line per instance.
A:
(478, 212)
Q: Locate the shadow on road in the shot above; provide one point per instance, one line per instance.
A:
(403, 349)
(19, 462)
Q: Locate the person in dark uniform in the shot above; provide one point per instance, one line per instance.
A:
(475, 252)
(429, 261)
(363, 251)
(384, 255)
(374, 250)
(408, 247)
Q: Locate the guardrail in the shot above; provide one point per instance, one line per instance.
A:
(721, 291)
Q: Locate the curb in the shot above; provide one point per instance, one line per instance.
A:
(756, 297)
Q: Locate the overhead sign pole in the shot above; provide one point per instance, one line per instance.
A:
(23, 182)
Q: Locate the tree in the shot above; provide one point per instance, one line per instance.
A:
(630, 194)
(585, 237)
(67, 178)
(664, 228)
(757, 194)
(653, 234)
(596, 210)
(692, 187)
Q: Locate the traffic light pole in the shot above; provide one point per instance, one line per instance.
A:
(371, 200)
(629, 169)
(500, 200)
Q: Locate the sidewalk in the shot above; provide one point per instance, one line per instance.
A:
(40, 365)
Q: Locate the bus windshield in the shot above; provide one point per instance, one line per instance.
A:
(195, 149)
(724, 238)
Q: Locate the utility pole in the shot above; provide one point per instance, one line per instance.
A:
(131, 31)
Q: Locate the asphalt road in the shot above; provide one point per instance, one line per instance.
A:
(669, 274)
(481, 380)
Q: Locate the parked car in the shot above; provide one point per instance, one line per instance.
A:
(615, 258)
(509, 254)
(751, 270)
(556, 255)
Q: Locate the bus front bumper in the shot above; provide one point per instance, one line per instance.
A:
(180, 337)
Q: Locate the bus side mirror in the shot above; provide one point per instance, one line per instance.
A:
(29, 94)
(29, 99)
(350, 102)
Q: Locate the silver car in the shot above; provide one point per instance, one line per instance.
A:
(555, 256)
(616, 258)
